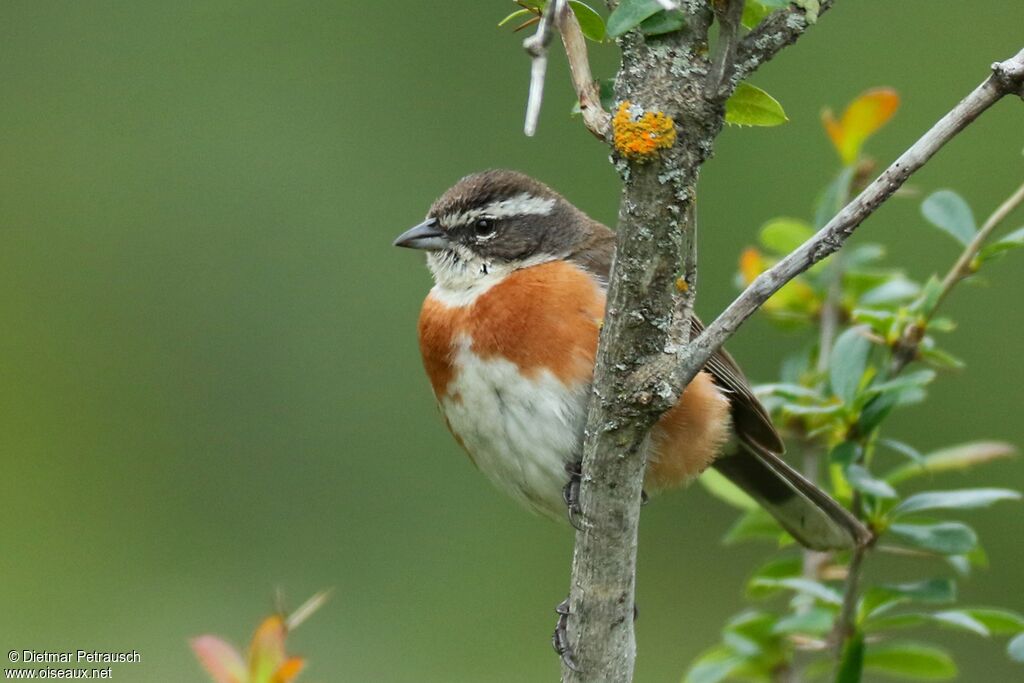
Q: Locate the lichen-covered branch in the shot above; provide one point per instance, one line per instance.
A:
(779, 29)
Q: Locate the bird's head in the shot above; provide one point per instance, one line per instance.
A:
(492, 223)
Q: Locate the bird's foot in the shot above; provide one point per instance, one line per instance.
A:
(560, 638)
(571, 492)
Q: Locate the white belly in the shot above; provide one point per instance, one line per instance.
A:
(519, 431)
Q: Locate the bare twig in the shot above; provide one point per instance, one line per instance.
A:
(537, 47)
(1007, 78)
(729, 13)
(595, 118)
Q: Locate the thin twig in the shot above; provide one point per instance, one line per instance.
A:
(906, 350)
(1007, 78)
(595, 118)
(537, 47)
(729, 14)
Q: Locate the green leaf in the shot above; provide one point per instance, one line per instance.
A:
(1015, 648)
(628, 15)
(779, 568)
(845, 453)
(713, 666)
(891, 292)
(875, 411)
(953, 458)
(847, 363)
(910, 660)
(665, 21)
(833, 198)
(751, 106)
(851, 667)
(815, 621)
(786, 390)
(931, 592)
(945, 538)
(997, 621)
(717, 485)
(961, 620)
(939, 357)
(591, 22)
(753, 14)
(929, 298)
(896, 621)
(753, 525)
(905, 449)
(949, 212)
(1014, 240)
(783, 235)
(815, 589)
(515, 15)
(962, 499)
(909, 380)
(860, 479)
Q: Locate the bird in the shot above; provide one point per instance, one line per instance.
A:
(508, 336)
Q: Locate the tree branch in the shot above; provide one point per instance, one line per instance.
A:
(537, 47)
(595, 118)
(779, 29)
(1007, 78)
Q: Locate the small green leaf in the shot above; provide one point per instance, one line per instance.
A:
(847, 363)
(910, 660)
(962, 499)
(713, 666)
(628, 15)
(815, 621)
(845, 454)
(1014, 240)
(909, 380)
(929, 298)
(665, 21)
(753, 525)
(891, 292)
(896, 621)
(945, 538)
(833, 198)
(515, 15)
(930, 592)
(905, 449)
(783, 235)
(786, 390)
(851, 667)
(875, 411)
(953, 458)
(961, 620)
(948, 211)
(1015, 648)
(783, 567)
(997, 621)
(751, 106)
(860, 479)
(815, 589)
(717, 485)
(591, 22)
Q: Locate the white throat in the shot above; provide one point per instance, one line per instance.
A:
(460, 276)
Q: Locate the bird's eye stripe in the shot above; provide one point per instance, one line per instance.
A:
(524, 204)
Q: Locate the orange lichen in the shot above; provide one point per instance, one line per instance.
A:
(640, 137)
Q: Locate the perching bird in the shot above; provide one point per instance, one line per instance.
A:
(509, 333)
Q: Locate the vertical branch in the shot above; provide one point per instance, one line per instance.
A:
(537, 47)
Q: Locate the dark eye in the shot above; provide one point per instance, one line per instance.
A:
(484, 227)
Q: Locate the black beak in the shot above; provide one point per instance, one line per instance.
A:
(427, 235)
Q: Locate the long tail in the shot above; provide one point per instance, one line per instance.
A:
(809, 514)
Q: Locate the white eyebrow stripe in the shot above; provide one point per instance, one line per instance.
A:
(524, 204)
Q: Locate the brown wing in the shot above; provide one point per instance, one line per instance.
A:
(804, 510)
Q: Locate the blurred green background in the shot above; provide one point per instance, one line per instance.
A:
(210, 380)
